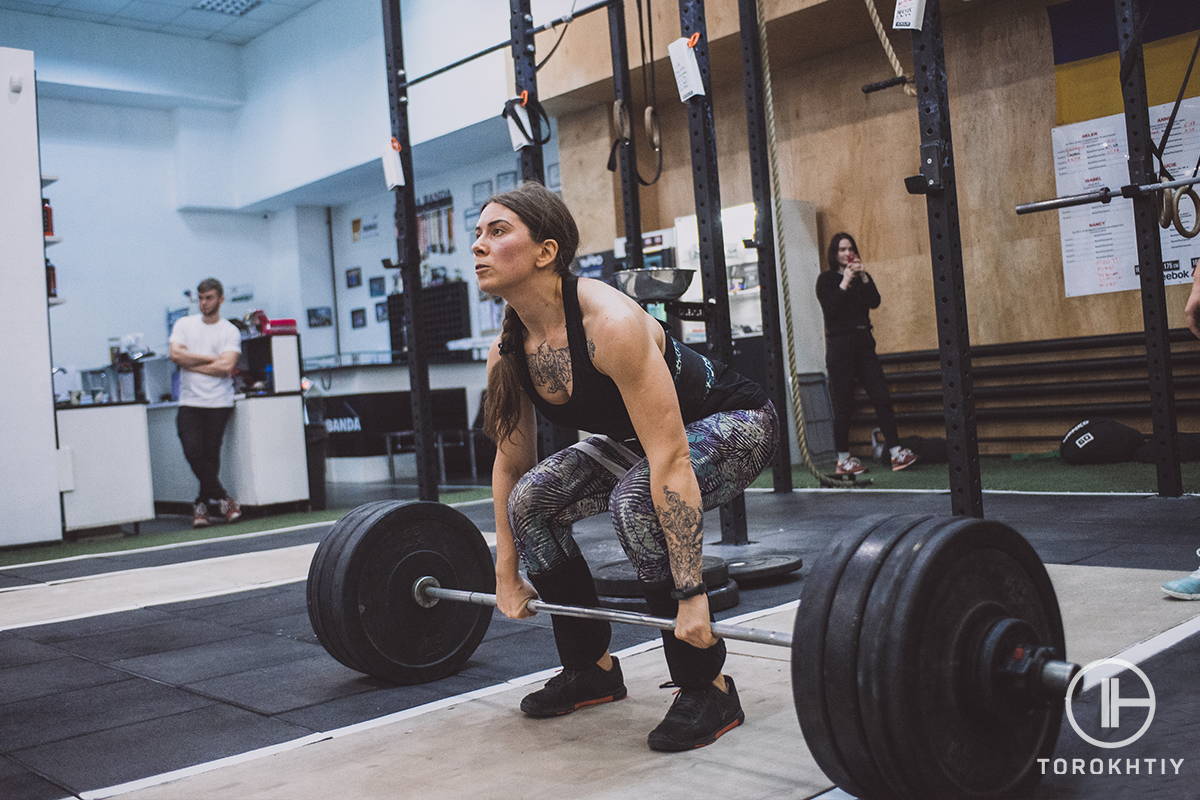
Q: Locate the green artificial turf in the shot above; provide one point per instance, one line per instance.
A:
(116, 542)
(1038, 472)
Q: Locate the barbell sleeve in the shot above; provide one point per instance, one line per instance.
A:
(1103, 195)
(723, 631)
(1098, 196)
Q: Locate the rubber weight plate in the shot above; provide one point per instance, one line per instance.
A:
(722, 598)
(933, 598)
(360, 590)
(619, 578)
(320, 574)
(831, 600)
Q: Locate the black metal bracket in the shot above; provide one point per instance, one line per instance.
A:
(681, 309)
(932, 155)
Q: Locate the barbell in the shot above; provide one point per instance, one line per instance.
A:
(926, 651)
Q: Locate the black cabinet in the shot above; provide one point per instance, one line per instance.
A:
(445, 315)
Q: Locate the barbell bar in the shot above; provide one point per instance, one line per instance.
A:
(927, 652)
(1053, 675)
(1103, 195)
(427, 587)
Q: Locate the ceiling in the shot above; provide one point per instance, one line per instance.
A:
(197, 19)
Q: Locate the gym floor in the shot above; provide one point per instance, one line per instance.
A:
(192, 671)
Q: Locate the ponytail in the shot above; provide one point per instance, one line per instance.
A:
(502, 410)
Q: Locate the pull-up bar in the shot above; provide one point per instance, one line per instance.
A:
(506, 43)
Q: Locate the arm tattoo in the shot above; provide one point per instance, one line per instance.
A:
(591, 348)
(550, 368)
(683, 525)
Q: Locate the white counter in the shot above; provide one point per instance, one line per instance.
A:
(105, 465)
(262, 459)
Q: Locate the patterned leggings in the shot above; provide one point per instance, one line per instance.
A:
(728, 451)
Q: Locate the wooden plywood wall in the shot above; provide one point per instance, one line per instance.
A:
(848, 153)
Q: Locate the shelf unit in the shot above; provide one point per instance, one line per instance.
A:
(50, 240)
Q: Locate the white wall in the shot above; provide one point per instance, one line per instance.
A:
(126, 253)
(315, 278)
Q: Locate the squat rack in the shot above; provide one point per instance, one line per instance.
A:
(531, 166)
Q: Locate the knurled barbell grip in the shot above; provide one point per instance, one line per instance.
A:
(429, 588)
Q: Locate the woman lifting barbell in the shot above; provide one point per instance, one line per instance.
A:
(673, 433)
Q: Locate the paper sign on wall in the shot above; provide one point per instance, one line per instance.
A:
(687, 69)
(393, 170)
(910, 15)
(1099, 241)
(518, 126)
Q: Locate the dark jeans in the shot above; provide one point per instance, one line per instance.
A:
(850, 358)
(201, 431)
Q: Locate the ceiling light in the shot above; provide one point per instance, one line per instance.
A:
(234, 8)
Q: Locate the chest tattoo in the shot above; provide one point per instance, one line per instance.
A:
(550, 367)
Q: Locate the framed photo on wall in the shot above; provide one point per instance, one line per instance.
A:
(506, 181)
(376, 287)
(358, 318)
(353, 277)
(480, 192)
(470, 217)
(320, 317)
(381, 312)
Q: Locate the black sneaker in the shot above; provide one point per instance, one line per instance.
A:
(697, 717)
(573, 689)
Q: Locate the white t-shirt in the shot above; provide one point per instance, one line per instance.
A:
(201, 338)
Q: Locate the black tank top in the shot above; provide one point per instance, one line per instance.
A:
(704, 386)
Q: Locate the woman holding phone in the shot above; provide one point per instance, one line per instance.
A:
(847, 294)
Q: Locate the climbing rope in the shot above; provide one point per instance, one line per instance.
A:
(881, 32)
(777, 204)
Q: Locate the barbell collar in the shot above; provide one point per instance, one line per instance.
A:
(427, 587)
(1056, 677)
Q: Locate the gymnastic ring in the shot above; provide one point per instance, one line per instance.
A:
(653, 132)
(1166, 208)
(1184, 231)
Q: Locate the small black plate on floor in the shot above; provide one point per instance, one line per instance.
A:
(762, 566)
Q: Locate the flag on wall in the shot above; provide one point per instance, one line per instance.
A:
(1087, 65)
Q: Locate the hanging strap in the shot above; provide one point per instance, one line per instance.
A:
(535, 110)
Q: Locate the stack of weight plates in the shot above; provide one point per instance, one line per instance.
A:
(618, 587)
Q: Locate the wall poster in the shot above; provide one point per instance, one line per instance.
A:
(1099, 244)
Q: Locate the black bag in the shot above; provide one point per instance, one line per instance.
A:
(1100, 441)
